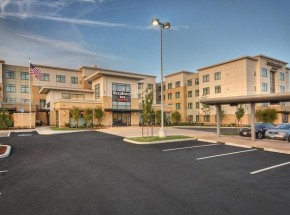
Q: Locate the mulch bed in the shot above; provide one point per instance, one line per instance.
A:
(2, 149)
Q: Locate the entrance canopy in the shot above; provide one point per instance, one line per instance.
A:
(247, 99)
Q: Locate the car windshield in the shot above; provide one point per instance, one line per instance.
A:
(283, 126)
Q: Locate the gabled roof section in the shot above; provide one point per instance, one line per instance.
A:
(46, 89)
(229, 61)
(180, 72)
(106, 72)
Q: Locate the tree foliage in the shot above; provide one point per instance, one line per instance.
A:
(98, 114)
(240, 112)
(266, 115)
(175, 117)
(76, 114)
(88, 116)
(5, 121)
(147, 110)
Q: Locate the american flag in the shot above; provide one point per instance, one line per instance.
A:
(36, 72)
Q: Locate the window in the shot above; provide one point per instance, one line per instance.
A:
(169, 95)
(189, 94)
(177, 84)
(159, 89)
(121, 97)
(197, 105)
(140, 86)
(60, 78)
(10, 100)
(150, 86)
(282, 76)
(196, 81)
(217, 76)
(189, 82)
(97, 92)
(206, 118)
(42, 103)
(177, 95)
(10, 88)
(24, 76)
(264, 72)
(177, 106)
(164, 87)
(205, 91)
(73, 96)
(282, 89)
(196, 93)
(10, 74)
(44, 77)
(169, 85)
(25, 101)
(74, 80)
(197, 118)
(24, 89)
(205, 78)
(264, 87)
(218, 89)
(189, 105)
(190, 118)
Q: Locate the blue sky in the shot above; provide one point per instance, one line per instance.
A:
(117, 34)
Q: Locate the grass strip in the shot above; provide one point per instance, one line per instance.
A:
(157, 138)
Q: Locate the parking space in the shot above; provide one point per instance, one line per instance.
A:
(97, 173)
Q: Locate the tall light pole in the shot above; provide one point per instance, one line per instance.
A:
(163, 25)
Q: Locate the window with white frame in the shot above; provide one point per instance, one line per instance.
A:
(217, 76)
(177, 95)
(196, 81)
(169, 85)
(177, 84)
(189, 82)
(282, 76)
(196, 93)
(218, 89)
(205, 78)
(264, 87)
(44, 77)
(189, 94)
(189, 105)
(10, 74)
(197, 105)
(24, 76)
(205, 91)
(25, 101)
(74, 80)
(60, 78)
(206, 118)
(10, 88)
(97, 91)
(177, 106)
(9, 100)
(264, 72)
(282, 89)
(169, 95)
(24, 89)
(197, 118)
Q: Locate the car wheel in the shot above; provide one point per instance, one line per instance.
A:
(259, 135)
(288, 138)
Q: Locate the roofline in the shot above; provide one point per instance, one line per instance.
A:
(228, 61)
(117, 71)
(54, 67)
(46, 89)
(264, 56)
(2, 61)
(101, 72)
(175, 73)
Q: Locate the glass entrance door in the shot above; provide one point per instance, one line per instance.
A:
(121, 118)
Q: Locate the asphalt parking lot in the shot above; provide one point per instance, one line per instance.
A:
(98, 173)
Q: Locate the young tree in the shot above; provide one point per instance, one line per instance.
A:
(76, 114)
(98, 114)
(88, 115)
(267, 115)
(240, 112)
(147, 110)
(5, 121)
(175, 117)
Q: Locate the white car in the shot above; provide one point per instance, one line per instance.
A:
(280, 132)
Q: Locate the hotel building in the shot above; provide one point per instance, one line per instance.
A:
(120, 93)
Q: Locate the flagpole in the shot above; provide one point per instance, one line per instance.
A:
(29, 96)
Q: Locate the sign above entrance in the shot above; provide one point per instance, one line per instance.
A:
(275, 66)
(121, 96)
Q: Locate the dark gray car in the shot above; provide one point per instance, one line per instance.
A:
(260, 129)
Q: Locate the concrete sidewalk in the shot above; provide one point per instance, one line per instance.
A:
(234, 140)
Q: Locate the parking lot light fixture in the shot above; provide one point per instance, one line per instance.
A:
(164, 25)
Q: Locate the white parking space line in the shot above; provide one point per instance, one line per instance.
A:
(231, 153)
(268, 168)
(3, 171)
(189, 147)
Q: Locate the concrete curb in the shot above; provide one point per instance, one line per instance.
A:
(157, 142)
(7, 153)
